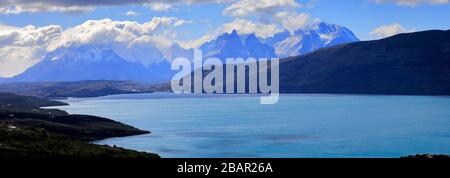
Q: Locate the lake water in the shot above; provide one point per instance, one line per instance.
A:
(298, 126)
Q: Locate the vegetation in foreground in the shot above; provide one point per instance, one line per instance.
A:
(27, 131)
(33, 142)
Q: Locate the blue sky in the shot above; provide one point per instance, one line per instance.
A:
(361, 16)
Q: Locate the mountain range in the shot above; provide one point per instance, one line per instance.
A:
(101, 62)
(406, 64)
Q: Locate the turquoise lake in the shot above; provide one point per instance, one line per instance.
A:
(311, 126)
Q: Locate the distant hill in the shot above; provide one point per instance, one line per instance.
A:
(414, 63)
(90, 88)
(8, 99)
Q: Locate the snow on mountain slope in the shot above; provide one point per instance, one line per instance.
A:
(92, 62)
(304, 41)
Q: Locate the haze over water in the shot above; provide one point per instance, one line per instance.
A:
(298, 126)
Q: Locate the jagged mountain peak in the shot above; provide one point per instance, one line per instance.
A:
(233, 35)
(233, 45)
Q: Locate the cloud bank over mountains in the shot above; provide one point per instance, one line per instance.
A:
(23, 47)
(20, 48)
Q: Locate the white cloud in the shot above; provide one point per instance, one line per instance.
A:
(20, 48)
(389, 30)
(412, 2)
(193, 44)
(293, 21)
(248, 27)
(131, 13)
(244, 8)
(125, 37)
(107, 30)
(156, 6)
(279, 13)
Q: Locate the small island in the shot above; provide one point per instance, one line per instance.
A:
(28, 131)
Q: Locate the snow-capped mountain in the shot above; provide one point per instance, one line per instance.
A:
(92, 62)
(232, 45)
(302, 41)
